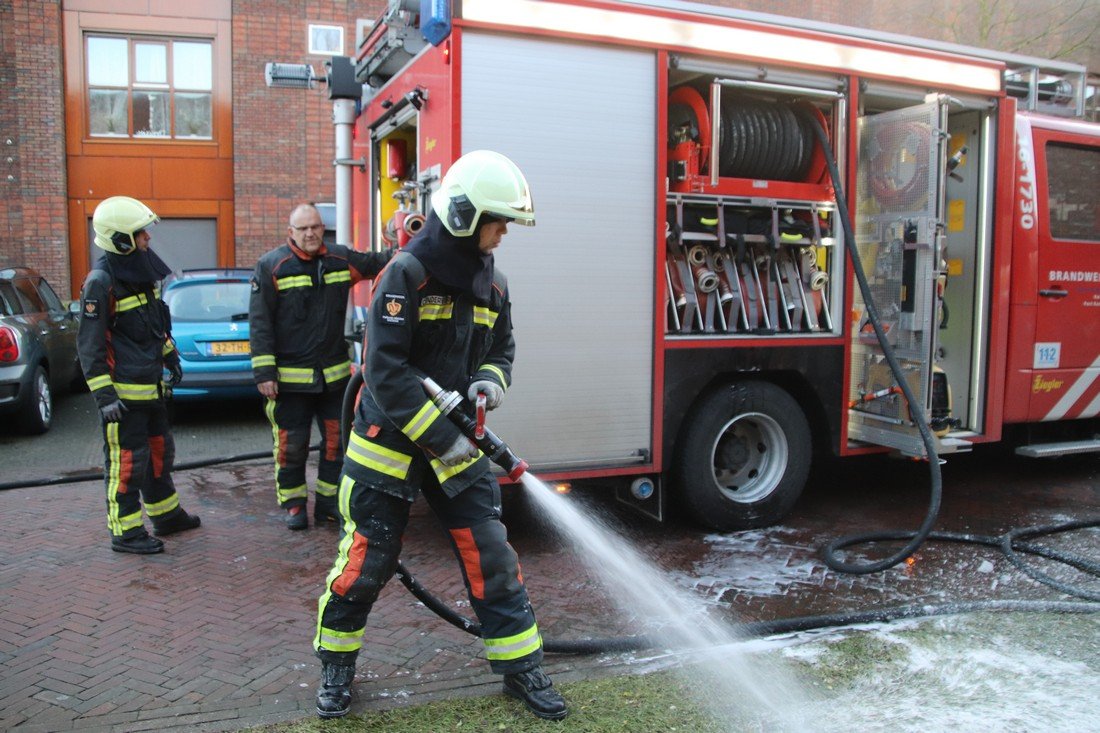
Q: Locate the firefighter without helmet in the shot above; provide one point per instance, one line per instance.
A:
(117, 219)
(482, 182)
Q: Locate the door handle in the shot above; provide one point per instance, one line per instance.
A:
(1053, 293)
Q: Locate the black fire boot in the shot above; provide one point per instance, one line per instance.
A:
(325, 509)
(296, 517)
(175, 521)
(334, 694)
(141, 544)
(537, 692)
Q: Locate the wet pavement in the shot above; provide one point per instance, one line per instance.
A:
(215, 633)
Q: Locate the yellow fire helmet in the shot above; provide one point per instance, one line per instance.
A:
(117, 219)
(482, 182)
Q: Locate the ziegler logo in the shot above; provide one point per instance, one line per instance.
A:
(1045, 385)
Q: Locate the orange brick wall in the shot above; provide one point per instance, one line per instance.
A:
(32, 142)
(283, 138)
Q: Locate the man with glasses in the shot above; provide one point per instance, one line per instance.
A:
(300, 357)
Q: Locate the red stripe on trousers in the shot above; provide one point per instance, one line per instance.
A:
(281, 457)
(471, 560)
(125, 470)
(156, 454)
(332, 440)
(356, 555)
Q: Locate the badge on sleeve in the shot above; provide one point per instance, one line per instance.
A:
(91, 309)
(255, 284)
(393, 309)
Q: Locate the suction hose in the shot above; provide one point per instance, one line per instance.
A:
(1007, 542)
(918, 537)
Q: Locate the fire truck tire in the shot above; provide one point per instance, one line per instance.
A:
(743, 456)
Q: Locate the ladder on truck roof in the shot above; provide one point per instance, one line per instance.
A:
(1049, 86)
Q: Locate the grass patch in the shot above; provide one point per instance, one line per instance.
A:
(652, 702)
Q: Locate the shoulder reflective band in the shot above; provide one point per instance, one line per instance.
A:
(485, 317)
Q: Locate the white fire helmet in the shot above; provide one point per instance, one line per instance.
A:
(117, 219)
(482, 182)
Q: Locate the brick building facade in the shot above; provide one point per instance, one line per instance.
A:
(270, 148)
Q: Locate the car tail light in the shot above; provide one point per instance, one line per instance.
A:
(9, 345)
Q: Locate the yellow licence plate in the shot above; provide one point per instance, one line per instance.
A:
(220, 348)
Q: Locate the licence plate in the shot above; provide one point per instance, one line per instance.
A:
(221, 348)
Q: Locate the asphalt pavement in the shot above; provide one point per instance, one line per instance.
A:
(215, 633)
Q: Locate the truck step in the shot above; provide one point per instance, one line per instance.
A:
(953, 445)
(1052, 450)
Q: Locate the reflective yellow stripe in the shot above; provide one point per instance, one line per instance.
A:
(338, 372)
(444, 472)
(514, 647)
(103, 380)
(324, 488)
(295, 375)
(436, 312)
(163, 507)
(327, 638)
(114, 460)
(128, 304)
(339, 641)
(294, 281)
(378, 458)
(263, 360)
(169, 347)
(421, 421)
(484, 317)
(497, 371)
(340, 276)
(130, 521)
(294, 492)
(136, 391)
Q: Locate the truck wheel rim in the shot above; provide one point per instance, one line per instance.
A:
(749, 457)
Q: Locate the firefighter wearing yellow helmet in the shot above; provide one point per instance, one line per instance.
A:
(125, 347)
(440, 309)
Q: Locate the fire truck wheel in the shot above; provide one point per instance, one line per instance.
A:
(743, 456)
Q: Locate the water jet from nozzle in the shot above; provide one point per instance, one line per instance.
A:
(496, 449)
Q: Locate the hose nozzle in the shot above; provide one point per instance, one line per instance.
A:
(492, 446)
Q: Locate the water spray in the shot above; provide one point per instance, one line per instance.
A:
(484, 438)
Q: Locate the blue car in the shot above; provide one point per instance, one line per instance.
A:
(210, 327)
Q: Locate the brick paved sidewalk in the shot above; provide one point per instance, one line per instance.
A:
(214, 634)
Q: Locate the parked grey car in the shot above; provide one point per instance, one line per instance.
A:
(37, 348)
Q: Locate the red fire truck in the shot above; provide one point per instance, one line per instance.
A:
(686, 313)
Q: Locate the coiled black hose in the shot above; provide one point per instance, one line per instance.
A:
(936, 481)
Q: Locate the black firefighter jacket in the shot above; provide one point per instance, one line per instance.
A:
(418, 326)
(124, 339)
(296, 314)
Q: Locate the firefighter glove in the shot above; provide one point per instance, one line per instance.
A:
(113, 412)
(494, 395)
(460, 451)
(175, 374)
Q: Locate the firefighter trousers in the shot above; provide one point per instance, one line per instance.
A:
(291, 415)
(138, 454)
(374, 523)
